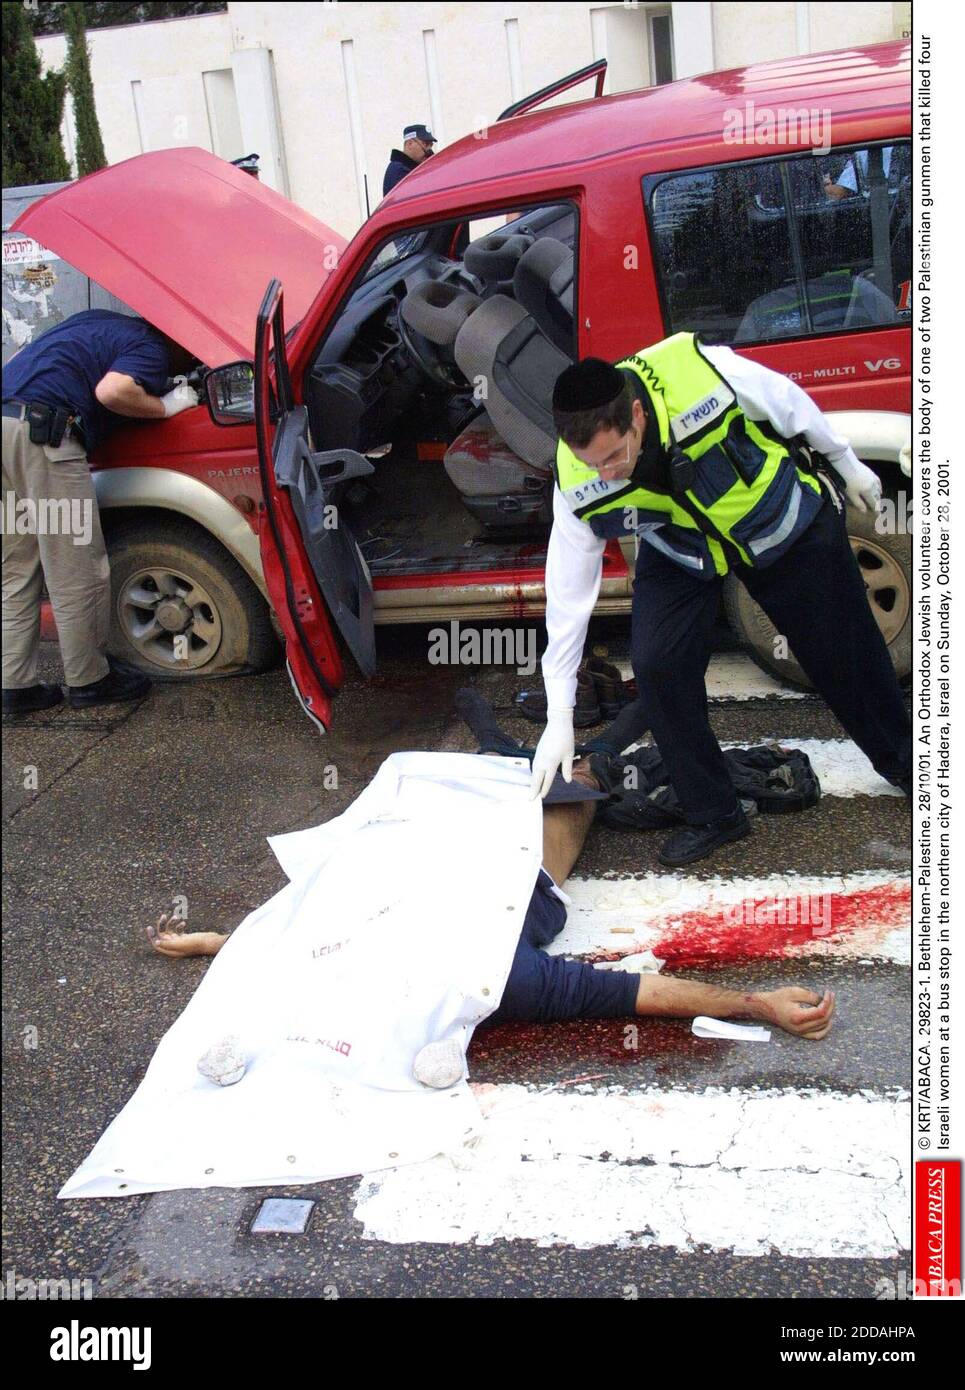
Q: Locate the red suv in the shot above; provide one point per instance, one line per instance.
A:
(378, 443)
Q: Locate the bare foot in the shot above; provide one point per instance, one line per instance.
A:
(168, 939)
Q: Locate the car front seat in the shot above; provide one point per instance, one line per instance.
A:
(502, 348)
(502, 464)
(437, 309)
(493, 259)
(497, 487)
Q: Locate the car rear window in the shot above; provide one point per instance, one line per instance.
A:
(799, 246)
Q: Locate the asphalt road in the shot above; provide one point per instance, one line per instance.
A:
(111, 815)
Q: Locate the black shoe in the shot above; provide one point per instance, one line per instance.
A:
(612, 691)
(531, 704)
(30, 698)
(697, 841)
(113, 689)
(904, 783)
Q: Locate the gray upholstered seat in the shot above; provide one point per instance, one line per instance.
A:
(510, 350)
(493, 258)
(496, 485)
(437, 309)
(543, 284)
(502, 352)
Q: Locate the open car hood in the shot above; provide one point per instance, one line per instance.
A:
(189, 242)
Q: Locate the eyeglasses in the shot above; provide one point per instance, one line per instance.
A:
(621, 463)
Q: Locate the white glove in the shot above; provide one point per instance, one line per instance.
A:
(555, 749)
(183, 397)
(862, 485)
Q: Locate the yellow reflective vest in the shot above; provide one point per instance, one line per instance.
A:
(739, 494)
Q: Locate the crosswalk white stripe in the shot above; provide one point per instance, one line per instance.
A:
(806, 1174)
(734, 676)
(852, 916)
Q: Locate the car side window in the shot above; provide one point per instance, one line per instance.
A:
(854, 226)
(720, 241)
(771, 249)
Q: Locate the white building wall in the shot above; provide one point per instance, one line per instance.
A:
(693, 38)
(832, 26)
(167, 58)
(323, 90)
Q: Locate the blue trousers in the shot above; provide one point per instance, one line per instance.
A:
(542, 988)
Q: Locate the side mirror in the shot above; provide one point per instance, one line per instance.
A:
(230, 394)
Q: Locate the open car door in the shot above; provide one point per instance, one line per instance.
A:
(314, 571)
(595, 72)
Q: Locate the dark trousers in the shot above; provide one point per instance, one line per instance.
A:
(544, 989)
(815, 596)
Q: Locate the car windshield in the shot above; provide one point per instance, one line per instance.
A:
(394, 251)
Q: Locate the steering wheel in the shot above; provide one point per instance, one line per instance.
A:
(434, 362)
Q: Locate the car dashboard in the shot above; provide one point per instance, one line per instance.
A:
(363, 377)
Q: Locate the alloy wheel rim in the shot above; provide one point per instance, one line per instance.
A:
(169, 618)
(887, 585)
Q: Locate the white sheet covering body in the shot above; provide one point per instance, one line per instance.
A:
(397, 928)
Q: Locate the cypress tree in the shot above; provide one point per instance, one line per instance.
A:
(90, 146)
(33, 107)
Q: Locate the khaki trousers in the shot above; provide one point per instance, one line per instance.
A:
(52, 532)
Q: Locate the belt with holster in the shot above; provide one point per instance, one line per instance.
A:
(49, 424)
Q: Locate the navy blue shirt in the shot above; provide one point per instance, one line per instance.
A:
(63, 366)
(399, 165)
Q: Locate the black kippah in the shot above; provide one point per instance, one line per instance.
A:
(587, 385)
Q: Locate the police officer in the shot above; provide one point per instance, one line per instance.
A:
(61, 395)
(707, 457)
(417, 143)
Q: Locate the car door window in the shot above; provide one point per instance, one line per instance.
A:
(720, 240)
(853, 218)
(771, 249)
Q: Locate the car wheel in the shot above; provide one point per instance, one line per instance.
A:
(885, 562)
(181, 607)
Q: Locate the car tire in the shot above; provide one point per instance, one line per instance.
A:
(886, 563)
(172, 580)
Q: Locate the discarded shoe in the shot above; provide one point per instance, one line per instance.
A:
(531, 704)
(224, 1063)
(697, 841)
(31, 698)
(439, 1064)
(612, 691)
